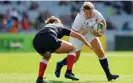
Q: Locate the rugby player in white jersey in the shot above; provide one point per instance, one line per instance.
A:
(87, 17)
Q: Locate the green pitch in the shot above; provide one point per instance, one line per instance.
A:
(23, 68)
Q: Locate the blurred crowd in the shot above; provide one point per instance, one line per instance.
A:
(16, 20)
(123, 9)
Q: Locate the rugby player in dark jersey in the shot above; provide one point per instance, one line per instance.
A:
(48, 41)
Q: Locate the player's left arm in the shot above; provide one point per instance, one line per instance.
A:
(102, 20)
(104, 23)
(103, 31)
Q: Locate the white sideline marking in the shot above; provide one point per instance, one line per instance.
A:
(84, 78)
(85, 54)
(52, 75)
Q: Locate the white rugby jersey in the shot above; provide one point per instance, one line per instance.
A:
(80, 22)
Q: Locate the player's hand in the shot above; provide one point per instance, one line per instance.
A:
(97, 34)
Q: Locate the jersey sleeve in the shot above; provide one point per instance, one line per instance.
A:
(78, 22)
(99, 16)
(66, 31)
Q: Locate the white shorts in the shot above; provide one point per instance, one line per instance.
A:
(78, 44)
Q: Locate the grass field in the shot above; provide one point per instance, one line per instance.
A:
(23, 68)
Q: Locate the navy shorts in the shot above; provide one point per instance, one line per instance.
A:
(46, 42)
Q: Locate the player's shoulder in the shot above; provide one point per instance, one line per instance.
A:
(80, 16)
(97, 14)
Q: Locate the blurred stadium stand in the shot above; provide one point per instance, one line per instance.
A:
(29, 16)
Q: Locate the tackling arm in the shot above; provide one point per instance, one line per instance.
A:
(80, 37)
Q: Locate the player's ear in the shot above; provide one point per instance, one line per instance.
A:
(58, 20)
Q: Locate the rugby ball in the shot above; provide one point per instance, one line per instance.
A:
(98, 27)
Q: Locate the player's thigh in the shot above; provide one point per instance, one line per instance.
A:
(65, 47)
(97, 47)
(76, 43)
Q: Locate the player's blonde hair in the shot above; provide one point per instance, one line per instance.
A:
(88, 5)
(53, 19)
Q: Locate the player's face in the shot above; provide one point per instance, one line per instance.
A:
(88, 13)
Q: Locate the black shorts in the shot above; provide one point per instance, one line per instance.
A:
(46, 42)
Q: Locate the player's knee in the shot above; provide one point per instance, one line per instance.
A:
(46, 55)
(100, 53)
(72, 49)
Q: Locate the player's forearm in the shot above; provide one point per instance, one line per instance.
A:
(82, 31)
(104, 23)
(81, 38)
(78, 36)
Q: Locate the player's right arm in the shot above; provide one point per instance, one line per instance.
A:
(80, 37)
(78, 24)
(75, 35)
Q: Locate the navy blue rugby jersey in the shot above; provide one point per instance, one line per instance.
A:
(57, 29)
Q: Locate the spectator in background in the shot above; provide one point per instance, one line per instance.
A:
(128, 7)
(5, 2)
(110, 25)
(13, 20)
(14, 13)
(126, 26)
(67, 20)
(118, 7)
(8, 14)
(115, 7)
(75, 8)
(76, 5)
(63, 3)
(8, 18)
(14, 25)
(107, 3)
(40, 19)
(73, 15)
(3, 22)
(25, 23)
(34, 6)
(18, 2)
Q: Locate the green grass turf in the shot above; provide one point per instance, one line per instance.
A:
(23, 68)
